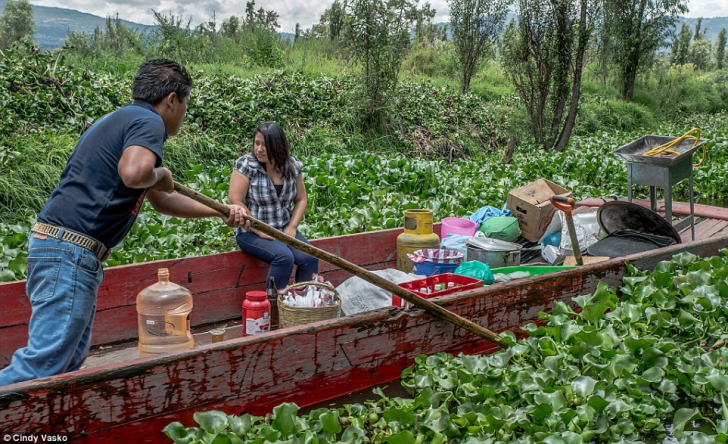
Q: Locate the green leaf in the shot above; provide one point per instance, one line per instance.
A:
(617, 407)
(622, 365)
(7, 275)
(405, 437)
(330, 422)
(683, 416)
(436, 420)
(594, 312)
(583, 386)
(240, 424)
(401, 416)
(653, 374)
(213, 422)
(564, 438)
(355, 434)
(718, 380)
(175, 431)
(686, 319)
(285, 418)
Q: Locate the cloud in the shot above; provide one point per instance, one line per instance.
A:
(304, 12)
(707, 8)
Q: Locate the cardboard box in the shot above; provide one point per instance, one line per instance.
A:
(531, 206)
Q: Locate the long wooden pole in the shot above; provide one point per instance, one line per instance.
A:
(350, 267)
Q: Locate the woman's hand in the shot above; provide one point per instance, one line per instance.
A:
(289, 230)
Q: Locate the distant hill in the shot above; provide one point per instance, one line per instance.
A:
(53, 24)
(712, 26)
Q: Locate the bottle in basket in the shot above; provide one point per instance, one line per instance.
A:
(256, 313)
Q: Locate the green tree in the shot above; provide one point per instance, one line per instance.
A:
(699, 54)
(16, 23)
(176, 39)
(230, 28)
(377, 36)
(603, 47)
(699, 32)
(336, 20)
(298, 32)
(119, 38)
(639, 27)
(681, 46)
(78, 42)
(720, 50)
(475, 26)
(425, 31)
(544, 57)
(207, 29)
(331, 22)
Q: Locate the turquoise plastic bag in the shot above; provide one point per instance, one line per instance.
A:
(477, 270)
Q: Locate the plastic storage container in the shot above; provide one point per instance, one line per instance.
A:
(439, 285)
(256, 313)
(416, 236)
(457, 225)
(431, 261)
(163, 311)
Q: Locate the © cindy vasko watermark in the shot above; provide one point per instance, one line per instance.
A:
(34, 437)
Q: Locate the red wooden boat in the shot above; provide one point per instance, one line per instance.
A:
(119, 397)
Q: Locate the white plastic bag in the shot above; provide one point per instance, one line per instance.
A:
(358, 295)
(586, 227)
(456, 242)
(553, 255)
(553, 227)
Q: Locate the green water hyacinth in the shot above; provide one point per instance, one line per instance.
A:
(616, 369)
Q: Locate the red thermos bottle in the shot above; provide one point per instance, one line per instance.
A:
(256, 313)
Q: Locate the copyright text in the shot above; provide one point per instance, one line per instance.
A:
(35, 437)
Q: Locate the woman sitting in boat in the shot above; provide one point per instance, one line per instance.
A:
(269, 183)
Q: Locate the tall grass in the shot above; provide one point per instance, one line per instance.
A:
(27, 179)
(318, 56)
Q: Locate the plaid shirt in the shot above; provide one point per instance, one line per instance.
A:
(262, 199)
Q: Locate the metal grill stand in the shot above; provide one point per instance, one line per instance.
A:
(661, 171)
(660, 176)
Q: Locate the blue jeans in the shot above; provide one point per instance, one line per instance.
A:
(280, 257)
(63, 282)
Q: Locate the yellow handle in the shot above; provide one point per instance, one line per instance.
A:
(666, 147)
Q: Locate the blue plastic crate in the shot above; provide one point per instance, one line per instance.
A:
(428, 268)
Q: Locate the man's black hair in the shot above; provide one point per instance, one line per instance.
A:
(157, 78)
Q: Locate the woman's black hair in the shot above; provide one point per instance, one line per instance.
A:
(276, 146)
(157, 78)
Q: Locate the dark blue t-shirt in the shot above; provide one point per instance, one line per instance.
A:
(91, 197)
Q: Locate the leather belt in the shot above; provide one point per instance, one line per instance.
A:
(97, 248)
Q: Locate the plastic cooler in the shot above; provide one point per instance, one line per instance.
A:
(451, 282)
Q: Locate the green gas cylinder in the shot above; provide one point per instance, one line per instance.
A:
(417, 235)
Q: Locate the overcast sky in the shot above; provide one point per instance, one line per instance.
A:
(305, 12)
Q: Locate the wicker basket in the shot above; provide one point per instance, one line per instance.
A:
(290, 316)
